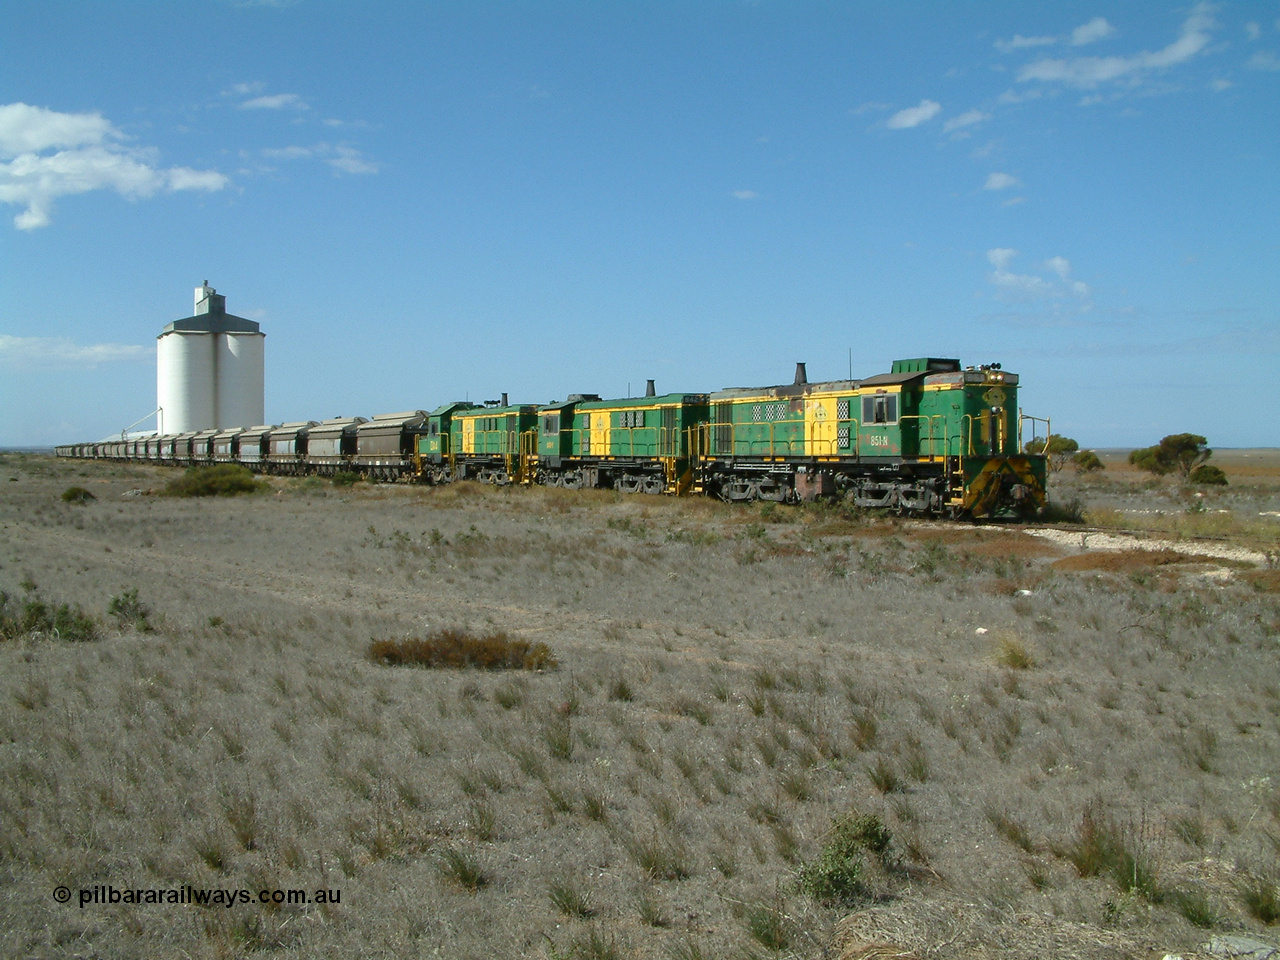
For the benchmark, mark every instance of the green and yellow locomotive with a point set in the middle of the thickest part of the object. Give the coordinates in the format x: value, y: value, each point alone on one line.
x: 926, y: 438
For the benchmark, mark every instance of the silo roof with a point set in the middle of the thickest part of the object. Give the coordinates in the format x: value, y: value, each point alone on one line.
x: 212, y: 323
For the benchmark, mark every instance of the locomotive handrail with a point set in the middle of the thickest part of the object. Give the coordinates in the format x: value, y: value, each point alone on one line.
x: 1048, y: 430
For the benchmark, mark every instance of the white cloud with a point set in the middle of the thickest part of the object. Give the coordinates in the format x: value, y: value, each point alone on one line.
x: 350, y: 160
x: 1263, y: 60
x: 1029, y: 286
x: 1020, y: 42
x: 745, y: 194
x: 1091, y: 71
x: 1000, y: 181
x: 1095, y: 29
x: 275, y: 101
x: 288, y: 153
x: 60, y: 351
x: 341, y: 156
x: 1253, y: 30
x: 914, y: 116
x: 45, y: 154
x: 1220, y: 84
x: 28, y: 129
x: 966, y: 119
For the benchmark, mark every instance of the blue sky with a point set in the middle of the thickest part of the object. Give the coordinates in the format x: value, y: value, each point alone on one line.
x: 423, y: 202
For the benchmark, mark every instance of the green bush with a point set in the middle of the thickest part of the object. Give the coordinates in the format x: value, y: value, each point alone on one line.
x: 1208, y: 474
x: 837, y: 875
x: 219, y: 480
x: 345, y: 478
x: 1057, y: 449
x: 1086, y: 461
x: 1179, y: 452
x: 35, y: 616
x: 130, y: 612
x: 77, y: 495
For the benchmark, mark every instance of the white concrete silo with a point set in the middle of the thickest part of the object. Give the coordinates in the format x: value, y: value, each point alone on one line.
x: 209, y: 369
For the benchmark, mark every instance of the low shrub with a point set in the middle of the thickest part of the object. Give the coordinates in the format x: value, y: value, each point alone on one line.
x: 457, y: 648
x: 837, y: 875
x: 130, y: 612
x: 78, y: 495
x: 1063, y: 511
x: 345, y: 478
x: 219, y: 480
x: 1206, y: 474
x: 35, y: 616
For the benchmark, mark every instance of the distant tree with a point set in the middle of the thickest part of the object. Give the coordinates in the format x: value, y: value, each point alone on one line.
x: 1207, y: 473
x: 1087, y: 461
x: 1177, y: 453
x: 1058, y: 449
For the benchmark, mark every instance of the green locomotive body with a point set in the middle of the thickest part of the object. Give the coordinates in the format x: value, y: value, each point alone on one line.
x: 465, y: 441
x: 927, y: 437
x: 636, y: 445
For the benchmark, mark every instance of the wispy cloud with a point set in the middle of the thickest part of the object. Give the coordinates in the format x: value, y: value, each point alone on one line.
x: 1095, y: 29
x: 63, y: 352
x: 342, y: 157
x: 1020, y: 42
x: 1000, y: 181
x: 45, y: 154
x: 1030, y: 286
x: 1089, y: 72
x: 914, y: 116
x: 746, y: 194
x: 966, y: 119
x: 275, y: 101
x: 1264, y: 60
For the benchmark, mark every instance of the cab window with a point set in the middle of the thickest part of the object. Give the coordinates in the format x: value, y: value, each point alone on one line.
x: 880, y: 408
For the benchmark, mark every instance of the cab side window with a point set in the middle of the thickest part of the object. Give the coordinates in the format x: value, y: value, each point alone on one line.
x: 880, y: 408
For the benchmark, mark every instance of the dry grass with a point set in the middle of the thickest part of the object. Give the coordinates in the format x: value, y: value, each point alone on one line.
x: 663, y: 790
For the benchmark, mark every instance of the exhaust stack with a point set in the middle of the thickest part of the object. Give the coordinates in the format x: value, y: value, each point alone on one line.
x: 801, y: 376
x: 648, y: 389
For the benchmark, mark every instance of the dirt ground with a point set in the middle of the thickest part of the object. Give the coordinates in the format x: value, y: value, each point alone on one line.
x: 1074, y: 751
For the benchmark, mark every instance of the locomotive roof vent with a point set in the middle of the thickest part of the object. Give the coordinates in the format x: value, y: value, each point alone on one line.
x: 801, y: 376
x: 648, y: 389
x: 491, y: 403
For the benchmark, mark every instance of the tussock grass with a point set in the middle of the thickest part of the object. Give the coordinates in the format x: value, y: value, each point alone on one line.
x: 451, y: 648
x: 462, y: 869
x: 1012, y: 651
x: 1106, y: 846
x: 571, y: 899
x: 1259, y: 891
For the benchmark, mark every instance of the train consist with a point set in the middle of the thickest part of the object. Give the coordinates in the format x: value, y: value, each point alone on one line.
x: 927, y: 438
